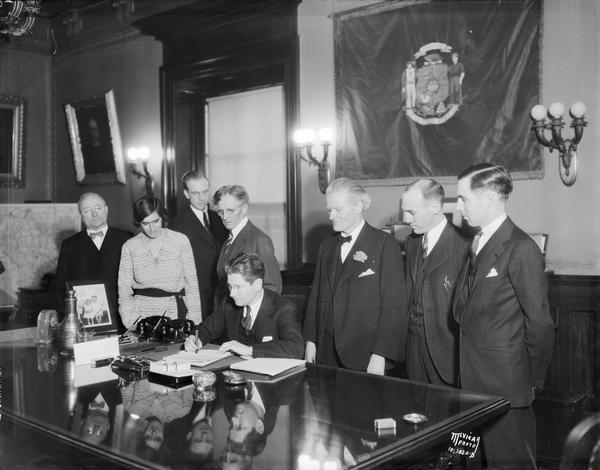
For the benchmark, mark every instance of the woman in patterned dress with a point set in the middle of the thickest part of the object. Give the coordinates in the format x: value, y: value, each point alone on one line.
x: 157, y: 272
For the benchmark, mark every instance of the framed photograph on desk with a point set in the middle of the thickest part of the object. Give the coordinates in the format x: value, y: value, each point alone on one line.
x: 92, y: 306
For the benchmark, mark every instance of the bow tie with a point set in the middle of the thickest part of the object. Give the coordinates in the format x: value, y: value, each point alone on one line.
x: 99, y: 234
x: 343, y: 239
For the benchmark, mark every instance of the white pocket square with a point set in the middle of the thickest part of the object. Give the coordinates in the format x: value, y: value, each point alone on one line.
x: 266, y: 339
x: 368, y: 272
x: 492, y: 273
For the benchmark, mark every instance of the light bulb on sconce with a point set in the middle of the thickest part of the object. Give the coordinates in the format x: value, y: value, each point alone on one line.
x: 304, y: 139
x: 567, y: 148
x: 141, y: 155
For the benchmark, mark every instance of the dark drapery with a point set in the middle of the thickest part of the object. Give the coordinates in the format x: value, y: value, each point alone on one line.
x: 499, y: 46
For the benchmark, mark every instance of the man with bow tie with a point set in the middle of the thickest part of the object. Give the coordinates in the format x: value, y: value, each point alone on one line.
x: 206, y: 232
x: 501, y: 304
x: 356, y: 313
x: 435, y: 253
x: 255, y: 321
x: 95, y: 252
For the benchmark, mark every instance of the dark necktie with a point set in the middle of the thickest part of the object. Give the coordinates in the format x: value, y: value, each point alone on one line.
x: 475, y: 244
x: 247, y: 320
x: 228, y: 242
x: 99, y: 234
x: 424, y: 245
x: 473, y: 257
x: 206, y: 222
x: 343, y: 239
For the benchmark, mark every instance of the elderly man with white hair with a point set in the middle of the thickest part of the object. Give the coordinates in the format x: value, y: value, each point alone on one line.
x: 356, y: 313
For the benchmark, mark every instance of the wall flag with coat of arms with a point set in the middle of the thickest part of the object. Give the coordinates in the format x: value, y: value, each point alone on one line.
x: 428, y: 88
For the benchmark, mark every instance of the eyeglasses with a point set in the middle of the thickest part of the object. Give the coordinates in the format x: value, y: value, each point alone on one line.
x: 222, y: 212
x: 152, y: 223
x: 89, y: 210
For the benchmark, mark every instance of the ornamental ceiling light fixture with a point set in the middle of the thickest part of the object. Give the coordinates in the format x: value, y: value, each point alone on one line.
x: 304, y: 139
x: 17, y: 17
x: 567, y: 148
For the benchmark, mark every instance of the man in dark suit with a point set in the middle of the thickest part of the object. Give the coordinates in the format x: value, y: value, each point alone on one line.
x: 435, y: 253
x: 206, y: 232
x: 95, y: 252
x: 252, y: 414
x: 257, y: 322
x: 244, y: 237
x: 501, y: 305
x: 356, y: 313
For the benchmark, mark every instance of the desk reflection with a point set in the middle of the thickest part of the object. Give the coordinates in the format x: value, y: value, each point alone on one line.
x: 319, y: 418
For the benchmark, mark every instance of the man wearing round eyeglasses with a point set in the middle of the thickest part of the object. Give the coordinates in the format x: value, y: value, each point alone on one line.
x: 244, y: 237
x: 95, y: 252
x: 206, y: 233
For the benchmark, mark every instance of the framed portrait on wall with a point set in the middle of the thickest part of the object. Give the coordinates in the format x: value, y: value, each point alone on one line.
x: 12, y: 141
x: 93, y: 309
x: 96, y: 140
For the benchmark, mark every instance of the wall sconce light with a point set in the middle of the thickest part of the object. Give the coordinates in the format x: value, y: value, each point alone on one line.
x: 567, y: 148
x: 141, y: 155
x: 304, y: 139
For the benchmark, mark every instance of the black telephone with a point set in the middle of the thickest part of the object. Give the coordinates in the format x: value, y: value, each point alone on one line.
x: 161, y: 328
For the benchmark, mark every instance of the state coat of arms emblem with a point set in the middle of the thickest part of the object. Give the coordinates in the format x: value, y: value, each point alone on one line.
x: 432, y: 84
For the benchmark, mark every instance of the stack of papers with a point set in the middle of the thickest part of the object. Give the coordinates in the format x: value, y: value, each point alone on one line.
x: 269, y: 366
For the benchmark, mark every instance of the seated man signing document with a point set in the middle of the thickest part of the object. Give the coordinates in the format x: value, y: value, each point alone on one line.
x: 257, y: 322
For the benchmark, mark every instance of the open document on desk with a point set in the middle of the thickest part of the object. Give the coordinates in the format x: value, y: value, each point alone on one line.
x: 272, y: 367
x: 204, y: 357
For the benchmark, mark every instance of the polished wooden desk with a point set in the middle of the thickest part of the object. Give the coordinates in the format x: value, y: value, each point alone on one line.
x: 320, y: 414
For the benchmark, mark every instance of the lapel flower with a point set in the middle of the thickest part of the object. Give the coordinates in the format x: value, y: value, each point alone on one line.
x: 360, y: 256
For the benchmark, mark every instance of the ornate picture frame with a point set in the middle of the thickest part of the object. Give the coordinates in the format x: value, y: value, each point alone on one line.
x: 96, y: 140
x: 93, y: 308
x: 12, y: 141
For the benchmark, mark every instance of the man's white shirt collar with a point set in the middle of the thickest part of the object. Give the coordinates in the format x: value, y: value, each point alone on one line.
x: 235, y: 231
x: 102, y: 229
x: 256, y: 398
x: 488, y: 230
x: 255, y: 307
x: 98, y: 240
x: 199, y: 213
x: 347, y: 247
x: 434, y: 234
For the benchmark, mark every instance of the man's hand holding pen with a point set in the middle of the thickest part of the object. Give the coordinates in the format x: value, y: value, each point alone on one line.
x: 193, y: 343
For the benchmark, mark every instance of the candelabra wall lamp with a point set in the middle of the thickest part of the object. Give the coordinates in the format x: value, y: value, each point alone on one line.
x: 567, y: 148
x: 141, y: 156
x: 304, y: 139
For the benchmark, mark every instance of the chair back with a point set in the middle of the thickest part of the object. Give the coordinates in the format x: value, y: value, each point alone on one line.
x: 582, y: 447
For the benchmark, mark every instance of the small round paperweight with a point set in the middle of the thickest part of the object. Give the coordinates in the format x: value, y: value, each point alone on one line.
x: 204, y: 379
x: 233, y: 378
x: 204, y: 394
x: 414, y: 418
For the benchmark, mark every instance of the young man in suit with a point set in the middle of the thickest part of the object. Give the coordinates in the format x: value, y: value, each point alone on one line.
x: 256, y: 322
x: 206, y: 232
x: 435, y: 253
x: 356, y: 313
x: 95, y: 252
x: 244, y: 237
x: 501, y: 305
